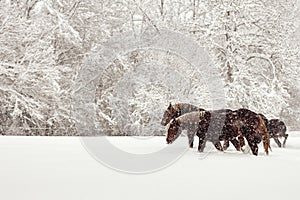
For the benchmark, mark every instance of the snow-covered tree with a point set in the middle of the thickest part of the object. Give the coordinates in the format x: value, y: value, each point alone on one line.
x: 248, y: 41
x: 254, y: 44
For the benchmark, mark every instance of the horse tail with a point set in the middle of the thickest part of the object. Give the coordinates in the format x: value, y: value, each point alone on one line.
x: 265, y: 136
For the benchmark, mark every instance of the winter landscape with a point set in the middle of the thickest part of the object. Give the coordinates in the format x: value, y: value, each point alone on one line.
x: 86, y: 88
x: 60, y: 168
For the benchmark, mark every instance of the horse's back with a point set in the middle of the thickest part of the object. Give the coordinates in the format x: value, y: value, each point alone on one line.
x: 194, y: 116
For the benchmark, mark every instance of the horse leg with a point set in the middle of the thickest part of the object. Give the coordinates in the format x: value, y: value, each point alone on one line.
x: 277, y: 141
x: 251, y: 142
x: 191, y: 142
x: 236, y: 144
x: 191, y: 139
x: 253, y: 147
x: 285, y: 138
x: 201, y: 144
x: 218, y: 145
x: 226, y: 144
x: 241, y: 141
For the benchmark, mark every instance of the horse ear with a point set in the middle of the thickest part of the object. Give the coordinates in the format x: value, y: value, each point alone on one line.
x: 170, y: 106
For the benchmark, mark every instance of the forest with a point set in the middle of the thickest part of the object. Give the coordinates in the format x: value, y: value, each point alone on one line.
x: 45, y: 45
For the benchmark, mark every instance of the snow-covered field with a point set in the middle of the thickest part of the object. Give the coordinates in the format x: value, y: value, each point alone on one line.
x: 59, y: 168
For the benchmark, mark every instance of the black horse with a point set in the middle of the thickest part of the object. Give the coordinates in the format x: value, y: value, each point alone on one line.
x: 276, y: 129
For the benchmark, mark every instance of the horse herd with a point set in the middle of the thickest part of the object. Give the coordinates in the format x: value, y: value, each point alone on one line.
x: 229, y: 126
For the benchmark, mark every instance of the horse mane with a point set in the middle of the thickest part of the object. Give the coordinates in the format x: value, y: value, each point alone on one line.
x: 183, y: 108
x: 176, y: 107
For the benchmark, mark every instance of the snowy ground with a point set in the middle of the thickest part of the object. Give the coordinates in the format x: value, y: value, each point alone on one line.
x: 59, y: 168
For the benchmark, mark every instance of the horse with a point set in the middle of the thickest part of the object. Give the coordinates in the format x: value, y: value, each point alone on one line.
x: 254, y: 129
x: 231, y: 131
x: 222, y: 125
x: 179, y: 109
x: 276, y: 129
x: 176, y: 110
x: 216, y: 126
x: 195, y: 123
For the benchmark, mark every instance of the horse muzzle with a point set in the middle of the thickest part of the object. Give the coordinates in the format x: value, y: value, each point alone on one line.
x: 168, y: 141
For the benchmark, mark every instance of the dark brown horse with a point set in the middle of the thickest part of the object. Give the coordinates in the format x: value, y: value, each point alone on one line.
x: 231, y: 131
x: 254, y: 129
x: 176, y: 110
x: 195, y: 123
x: 220, y: 126
x: 208, y: 126
x: 223, y: 125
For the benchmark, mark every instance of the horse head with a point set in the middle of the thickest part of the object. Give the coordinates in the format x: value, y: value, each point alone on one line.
x: 173, y: 131
x: 168, y: 115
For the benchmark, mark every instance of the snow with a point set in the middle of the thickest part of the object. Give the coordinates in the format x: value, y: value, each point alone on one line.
x: 60, y: 168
